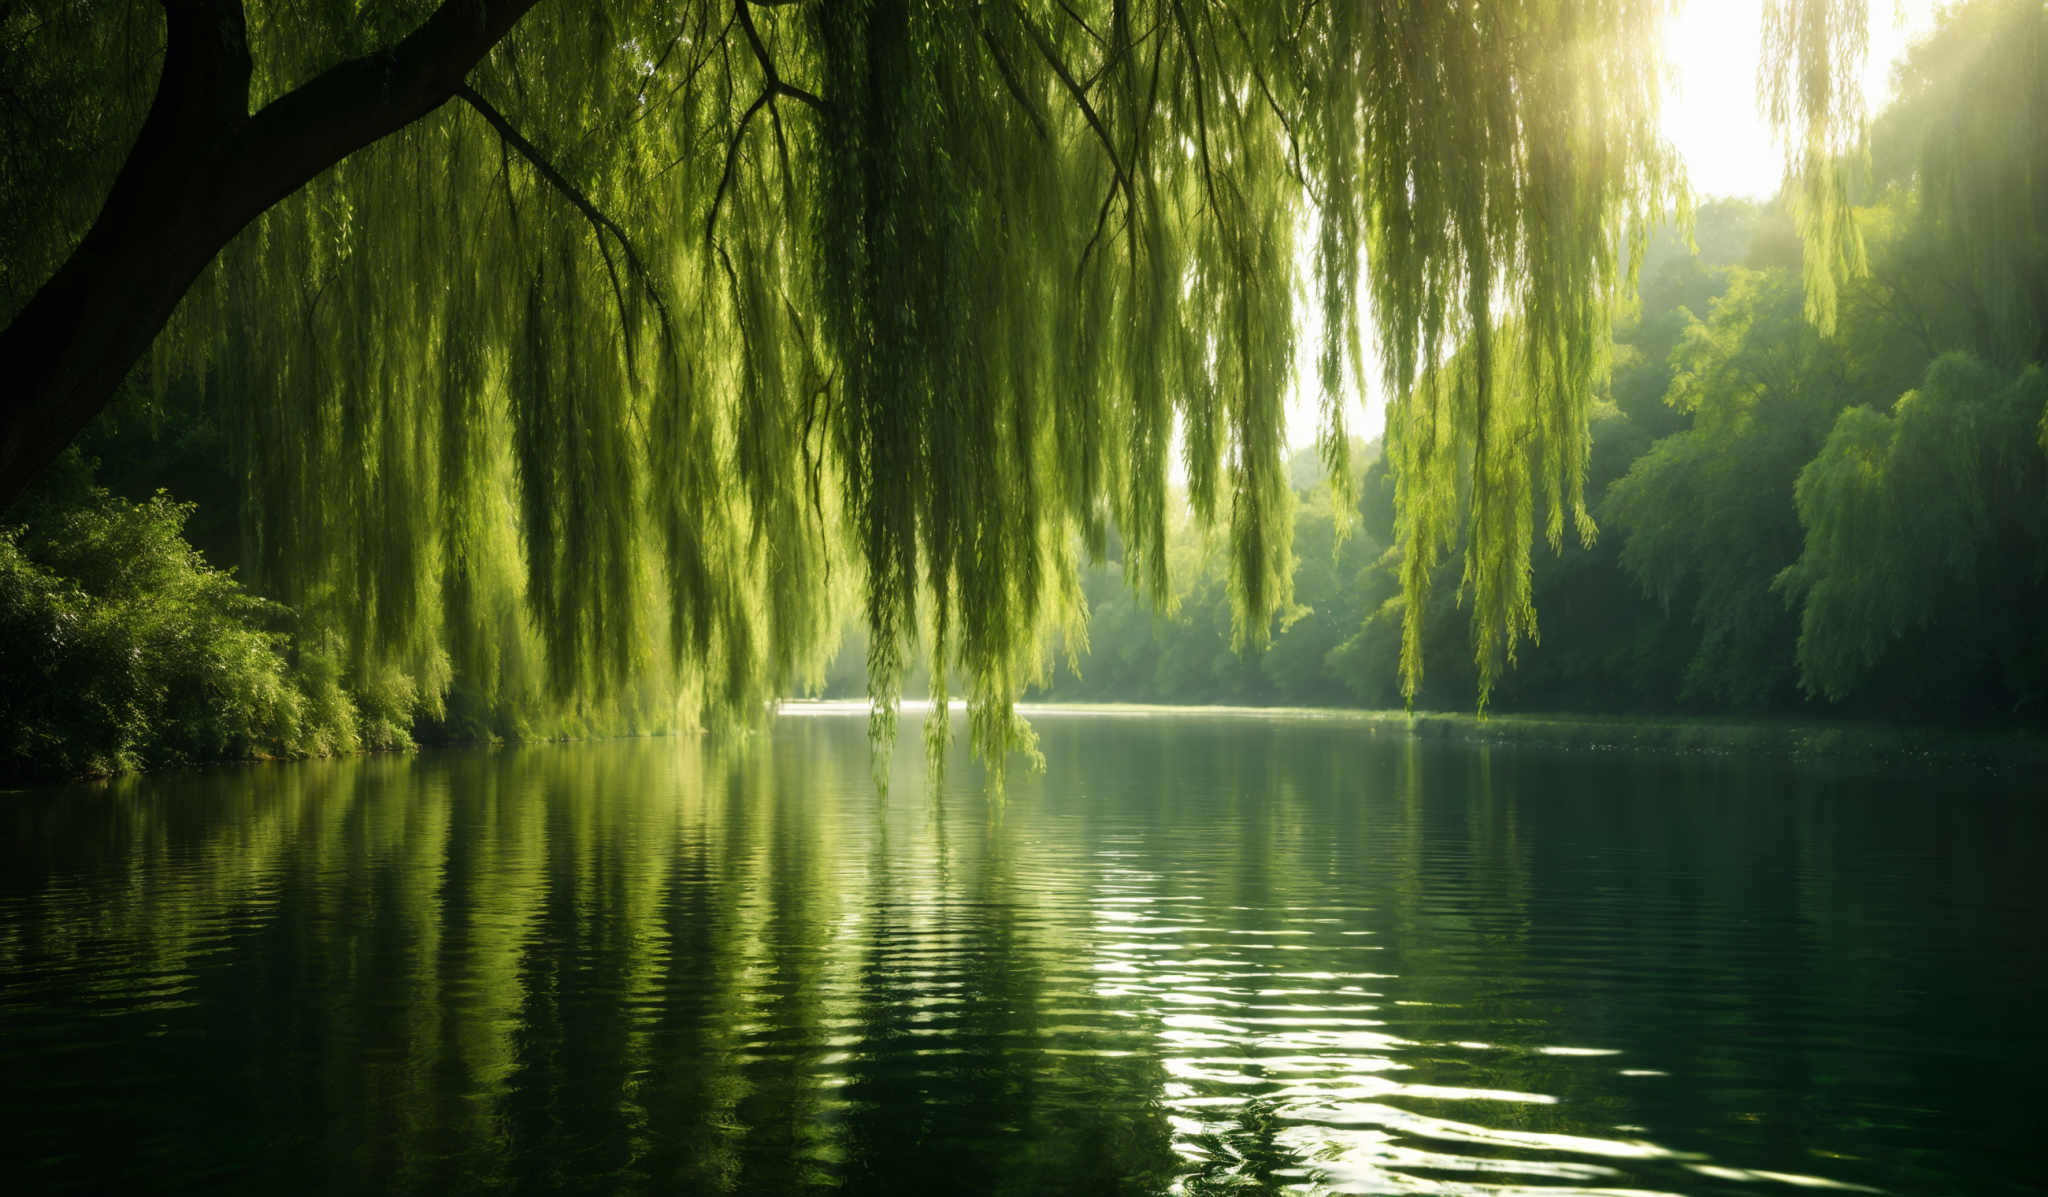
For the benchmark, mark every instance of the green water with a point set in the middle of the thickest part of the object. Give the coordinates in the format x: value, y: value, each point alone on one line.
x: 1198, y: 954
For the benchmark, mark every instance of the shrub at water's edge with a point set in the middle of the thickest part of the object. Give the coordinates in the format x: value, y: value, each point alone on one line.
x: 123, y: 649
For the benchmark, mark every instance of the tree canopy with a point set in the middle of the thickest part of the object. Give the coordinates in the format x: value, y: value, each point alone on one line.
x: 663, y: 326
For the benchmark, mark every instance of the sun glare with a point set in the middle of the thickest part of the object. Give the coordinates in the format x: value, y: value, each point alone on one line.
x: 1712, y: 113
x: 1712, y: 116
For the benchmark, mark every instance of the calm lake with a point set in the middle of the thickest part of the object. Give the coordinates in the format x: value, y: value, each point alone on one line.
x: 1198, y: 954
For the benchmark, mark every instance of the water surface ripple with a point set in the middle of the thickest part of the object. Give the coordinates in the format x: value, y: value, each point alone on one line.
x: 1199, y: 954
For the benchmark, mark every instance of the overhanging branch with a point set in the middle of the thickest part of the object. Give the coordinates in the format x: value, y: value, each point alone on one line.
x: 773, y: 85
x: 1201, y: 104
x: 600, y: 224
x: 1051, y: 55
x: 732, y: 153
x: 200, y: 170
x: 1014, y: 85
x: 777, y: 85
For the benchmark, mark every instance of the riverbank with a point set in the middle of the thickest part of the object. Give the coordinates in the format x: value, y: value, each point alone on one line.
x: 1873, y: 746
x: 1860, y: 746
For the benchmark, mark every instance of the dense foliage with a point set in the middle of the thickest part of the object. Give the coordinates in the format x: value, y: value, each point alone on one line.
x: 122, y: 648
x: 604, y: 394
x: 1926, y: 555
x: 1792, y: 520
x: 680, y: 324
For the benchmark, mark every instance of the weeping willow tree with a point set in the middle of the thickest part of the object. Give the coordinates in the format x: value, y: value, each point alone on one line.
x: 653, y: 328
x: 1970, y: 127
x: 1949, y: 485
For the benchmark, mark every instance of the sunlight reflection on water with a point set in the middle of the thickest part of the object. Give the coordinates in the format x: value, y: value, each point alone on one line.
x: 1198, y: 955
x: 1306, y: 1072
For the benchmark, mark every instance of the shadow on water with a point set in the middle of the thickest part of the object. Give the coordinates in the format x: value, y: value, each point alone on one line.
x: 1197, y: 955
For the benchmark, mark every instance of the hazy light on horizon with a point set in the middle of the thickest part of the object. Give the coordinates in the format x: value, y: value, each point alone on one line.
x: 1712, y: 116
x: 1712, y: 113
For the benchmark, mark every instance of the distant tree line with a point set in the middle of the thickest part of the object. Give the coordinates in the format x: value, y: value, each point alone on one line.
x: 1789, y: 522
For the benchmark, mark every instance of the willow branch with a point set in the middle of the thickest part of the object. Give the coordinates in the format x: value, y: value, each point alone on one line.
x: 1052, y: 57
x: 777, y: 85
x: 1201, y: 104
x: 1083, y: 23
x: 199, y: 170
x: 732, y: 153
x: 600, y: 223
x: 1123, y: 50
x: 1259, y: 77
x: 1015, y: 86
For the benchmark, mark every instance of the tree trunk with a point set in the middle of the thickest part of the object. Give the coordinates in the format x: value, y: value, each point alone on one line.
x: 201, y: 169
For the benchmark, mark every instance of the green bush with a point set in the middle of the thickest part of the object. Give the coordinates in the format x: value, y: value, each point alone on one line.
x: 123, y: 649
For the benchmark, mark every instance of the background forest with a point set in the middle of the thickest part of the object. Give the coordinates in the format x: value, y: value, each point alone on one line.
x: 1789, y: 520
x: 1789, y: 523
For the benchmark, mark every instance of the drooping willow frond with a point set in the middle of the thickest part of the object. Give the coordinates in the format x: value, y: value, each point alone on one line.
x: 1813, y: 50
x: 694, y: 317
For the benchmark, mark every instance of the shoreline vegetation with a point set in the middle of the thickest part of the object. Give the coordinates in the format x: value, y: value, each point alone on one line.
x: 1870, y: 744
x: 1865, y: 746
x: 270, y: 545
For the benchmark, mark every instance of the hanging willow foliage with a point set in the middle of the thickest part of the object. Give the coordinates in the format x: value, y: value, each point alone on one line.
x: 685, y: 319
x: 1982, y: 166
x: 1812, y: 52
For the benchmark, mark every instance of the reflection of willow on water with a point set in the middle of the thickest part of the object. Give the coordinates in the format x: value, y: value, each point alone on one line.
x: 1240, y: 1027
x: 395, y: 953
x: 1187, y: 957
x: 952, y: 1082
x: 213, y: 850
x: 1189, y: 941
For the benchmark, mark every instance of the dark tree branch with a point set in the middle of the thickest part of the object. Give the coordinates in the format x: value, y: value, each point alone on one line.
x: 1014, y: 86
x: 712, y: 47
x: 813, y: 462
x: 774, y: 85
x: 600, y: 224
x: 1122, y: 50
x: 676, y: 39
x: 732, y: 153
x: 354, y: 103
x: 200, y: 170
x: 1101, y: 221
x: 784, y: 87
x: 1051, y: 55
x: 1083, y: 23
x: 746, y: 20
x: 789, y: 202
x: 1201, y: 104
x: 777, y: 85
